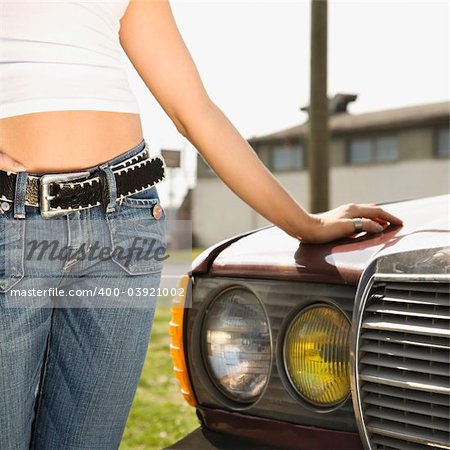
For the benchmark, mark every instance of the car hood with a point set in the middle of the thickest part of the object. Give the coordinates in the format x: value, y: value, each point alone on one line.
x: 271, y: 253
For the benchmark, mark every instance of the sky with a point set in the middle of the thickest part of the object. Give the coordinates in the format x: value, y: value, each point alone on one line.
x: 253, y: 58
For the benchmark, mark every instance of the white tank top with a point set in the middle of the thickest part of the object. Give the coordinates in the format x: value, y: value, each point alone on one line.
x: 62, y: 55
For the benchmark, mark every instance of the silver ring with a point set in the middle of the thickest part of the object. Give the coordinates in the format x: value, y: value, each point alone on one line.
x: 358, y: 224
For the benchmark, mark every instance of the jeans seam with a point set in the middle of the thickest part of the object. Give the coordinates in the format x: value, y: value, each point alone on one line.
x: 20, y: 261
x: 40, y: 394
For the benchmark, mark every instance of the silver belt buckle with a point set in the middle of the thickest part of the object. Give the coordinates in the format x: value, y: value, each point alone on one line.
x: 45, y: 197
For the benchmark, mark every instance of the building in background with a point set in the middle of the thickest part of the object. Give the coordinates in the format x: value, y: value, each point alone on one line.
x: 377, y: 157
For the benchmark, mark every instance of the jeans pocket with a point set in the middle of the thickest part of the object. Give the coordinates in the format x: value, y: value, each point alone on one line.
x: 12, y: 249
x: 138, y: 233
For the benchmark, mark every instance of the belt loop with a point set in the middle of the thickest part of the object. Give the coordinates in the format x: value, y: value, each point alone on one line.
x: 19, y: 195
x: 112, y: 187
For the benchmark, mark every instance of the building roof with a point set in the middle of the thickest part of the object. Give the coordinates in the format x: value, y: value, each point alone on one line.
x: 346, y: 123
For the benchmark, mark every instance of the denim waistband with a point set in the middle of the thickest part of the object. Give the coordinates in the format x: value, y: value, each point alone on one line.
x: 106, y: 167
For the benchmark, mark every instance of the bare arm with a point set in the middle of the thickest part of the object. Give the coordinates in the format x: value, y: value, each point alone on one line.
x: 151, y: 40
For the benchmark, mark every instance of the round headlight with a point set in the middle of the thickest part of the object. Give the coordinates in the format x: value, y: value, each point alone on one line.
x: 316, y: 354
x: 238, y: 345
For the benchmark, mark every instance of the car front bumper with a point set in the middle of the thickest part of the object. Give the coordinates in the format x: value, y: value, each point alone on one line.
x: 235, y: 431
x: 203, y: 439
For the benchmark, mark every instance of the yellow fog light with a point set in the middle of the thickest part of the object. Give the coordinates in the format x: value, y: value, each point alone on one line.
x: 316, y: 355
x: 177, y: 350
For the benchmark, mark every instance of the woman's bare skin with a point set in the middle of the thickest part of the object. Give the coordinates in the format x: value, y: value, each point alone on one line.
x: 61, y: 141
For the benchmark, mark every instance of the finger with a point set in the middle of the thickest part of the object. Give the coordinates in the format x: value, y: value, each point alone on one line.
x: 371, y: 226
x: 368, y: 225
x: 382, y: 222
x: 373, y: 212
x: 9, y: 164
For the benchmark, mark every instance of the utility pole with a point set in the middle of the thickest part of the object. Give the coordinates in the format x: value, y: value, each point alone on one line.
x: 318, y: 139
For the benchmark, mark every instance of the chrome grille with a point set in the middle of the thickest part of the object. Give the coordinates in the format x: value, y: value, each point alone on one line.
x: 403, y: 365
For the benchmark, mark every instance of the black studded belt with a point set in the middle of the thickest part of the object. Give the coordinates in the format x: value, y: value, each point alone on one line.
x: 62, y: 193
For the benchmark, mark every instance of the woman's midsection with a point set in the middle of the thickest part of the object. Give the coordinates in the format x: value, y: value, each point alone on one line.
x: 61, y: 141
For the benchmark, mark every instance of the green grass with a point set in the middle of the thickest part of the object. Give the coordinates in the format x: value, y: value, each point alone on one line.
x: 159, y: 415
x: 196, y: 251
x: 185, y: 254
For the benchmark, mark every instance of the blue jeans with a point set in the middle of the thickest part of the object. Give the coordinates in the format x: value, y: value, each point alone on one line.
x: 74, y: 330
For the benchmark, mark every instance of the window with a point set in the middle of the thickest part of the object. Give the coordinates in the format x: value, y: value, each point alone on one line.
x: 386, y: 149
x: 376, y: 149
x: 287, y: 157
x: 361, y: 151
x: 442, y: 142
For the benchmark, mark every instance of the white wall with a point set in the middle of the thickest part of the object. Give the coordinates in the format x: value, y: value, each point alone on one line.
x: 217, y: 213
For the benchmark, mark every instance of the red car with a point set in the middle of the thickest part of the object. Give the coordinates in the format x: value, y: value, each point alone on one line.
x: 336, y: 346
